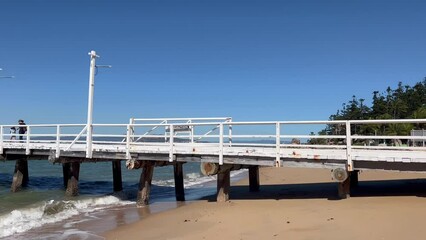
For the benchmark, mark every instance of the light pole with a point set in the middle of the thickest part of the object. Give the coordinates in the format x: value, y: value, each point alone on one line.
x: 89, y: 126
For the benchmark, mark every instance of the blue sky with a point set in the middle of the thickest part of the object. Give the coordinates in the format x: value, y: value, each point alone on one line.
x: 251, y: 60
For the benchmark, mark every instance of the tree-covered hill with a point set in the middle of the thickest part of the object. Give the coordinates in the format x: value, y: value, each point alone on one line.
x: 403, y: 102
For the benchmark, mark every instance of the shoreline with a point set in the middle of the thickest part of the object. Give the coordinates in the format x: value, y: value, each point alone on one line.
x: 297, y: 204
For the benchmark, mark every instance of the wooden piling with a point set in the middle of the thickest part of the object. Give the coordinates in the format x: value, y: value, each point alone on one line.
x: 223, y: 185
x: 72, y: 179
x: 254, y: 181
x: 145, y: 184
x: 66, y: 168
x: 116, y: 176
x: 20, y: 176
x: 179, y: 184
x: 344, y: 188
x: 354, y: 178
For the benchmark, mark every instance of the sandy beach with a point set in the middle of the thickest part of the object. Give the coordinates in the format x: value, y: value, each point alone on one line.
x: 296, y: 204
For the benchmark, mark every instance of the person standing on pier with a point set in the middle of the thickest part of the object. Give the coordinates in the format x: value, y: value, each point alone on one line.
x: 22, y: 130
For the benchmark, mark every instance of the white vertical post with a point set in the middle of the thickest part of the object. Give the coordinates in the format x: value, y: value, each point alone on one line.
x: 58, y: 139
x: 277, y: 144
x: 221, y: 144
x: 90, y: 104
x: 349, y: 146
x: 165, y: 131
x: 27, y: 150
x: 192, y: 131
x: 128, y: 140
x: 1, y: 139
x: 130, y: 137
x: 172, y: 133
x: 132, y: 129
x: 228, y: 120
x: 230, y: 135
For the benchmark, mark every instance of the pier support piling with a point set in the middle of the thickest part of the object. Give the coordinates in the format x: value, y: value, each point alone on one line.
x: 20, y: 176
x: 254, y: 181
x: 145, y: 184
x: 65, y: 170
x: 71, y: 174
x: 179, y: 184
x: 223, y: 185
x: 116, y: 176
x: 343, y: 177
x: 354, y: 178
x: 344, y: 188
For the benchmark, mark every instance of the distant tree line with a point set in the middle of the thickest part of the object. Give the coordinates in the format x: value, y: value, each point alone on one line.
x: 403, y: 102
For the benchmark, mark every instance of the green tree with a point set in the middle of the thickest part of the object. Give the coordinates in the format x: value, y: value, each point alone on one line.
x: 400, y: 103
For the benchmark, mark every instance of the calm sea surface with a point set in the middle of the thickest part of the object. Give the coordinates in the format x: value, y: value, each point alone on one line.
x: 41, y: 210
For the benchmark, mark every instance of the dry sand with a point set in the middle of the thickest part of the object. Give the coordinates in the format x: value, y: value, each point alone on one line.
x: 297, y: 204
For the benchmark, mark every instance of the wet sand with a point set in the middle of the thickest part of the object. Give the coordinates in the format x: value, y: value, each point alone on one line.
x: 297, y: 204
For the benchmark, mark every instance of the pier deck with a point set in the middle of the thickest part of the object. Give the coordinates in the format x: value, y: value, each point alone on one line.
x: 220, y: 144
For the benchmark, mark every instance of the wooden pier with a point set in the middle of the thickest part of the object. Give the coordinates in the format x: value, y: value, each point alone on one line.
x: 217, y: 144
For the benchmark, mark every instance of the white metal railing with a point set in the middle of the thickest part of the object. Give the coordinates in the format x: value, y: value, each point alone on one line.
x: 217, y: 133
x: 181, y: 125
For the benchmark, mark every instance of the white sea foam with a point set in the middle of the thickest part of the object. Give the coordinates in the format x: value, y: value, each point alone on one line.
x: 193, y: 180
x: 77, y: 234
x: 196, y: 179
x: 164, y: 183
x: 22, y: 220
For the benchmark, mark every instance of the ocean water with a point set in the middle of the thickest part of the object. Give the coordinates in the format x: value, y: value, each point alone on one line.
x: 42, y: 211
